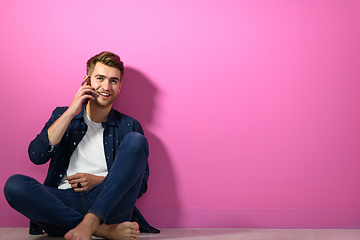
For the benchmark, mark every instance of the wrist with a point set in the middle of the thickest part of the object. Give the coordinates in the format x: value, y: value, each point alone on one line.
x: 70, y: 113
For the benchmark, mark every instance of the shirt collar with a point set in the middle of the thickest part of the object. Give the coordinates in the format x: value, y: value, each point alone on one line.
x: 110, y: 119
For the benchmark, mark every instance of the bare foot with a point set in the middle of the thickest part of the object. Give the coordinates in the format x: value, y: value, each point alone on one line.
x: 122, y: 231
x: 85, y: 229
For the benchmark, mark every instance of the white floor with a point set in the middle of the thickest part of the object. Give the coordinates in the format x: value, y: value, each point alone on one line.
x: 216, y: 233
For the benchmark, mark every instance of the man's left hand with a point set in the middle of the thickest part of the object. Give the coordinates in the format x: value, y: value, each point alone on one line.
x: 86, y: 180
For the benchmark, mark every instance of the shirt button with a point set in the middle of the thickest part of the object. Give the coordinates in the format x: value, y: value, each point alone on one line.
x: 74, y: 143
x: 60, y: 175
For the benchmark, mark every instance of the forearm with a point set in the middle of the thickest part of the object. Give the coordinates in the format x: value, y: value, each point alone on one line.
x: 58, y: 128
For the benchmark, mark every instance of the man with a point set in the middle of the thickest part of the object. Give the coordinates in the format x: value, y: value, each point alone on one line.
x: 98, y: 164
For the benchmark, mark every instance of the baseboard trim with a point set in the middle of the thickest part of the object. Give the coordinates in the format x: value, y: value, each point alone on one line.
x: 293, y: 218
x: 288, y: 218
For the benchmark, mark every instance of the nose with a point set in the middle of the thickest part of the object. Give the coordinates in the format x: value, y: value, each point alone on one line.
x: 106, y: 84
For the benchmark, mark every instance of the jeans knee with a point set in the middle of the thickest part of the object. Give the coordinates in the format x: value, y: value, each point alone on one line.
x: 14, y: 187
x: 10, y: 186
x: 136, y: 140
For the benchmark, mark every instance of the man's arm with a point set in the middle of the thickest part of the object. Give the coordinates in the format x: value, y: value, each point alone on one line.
x: 40, y: 149
x: 58, y: 128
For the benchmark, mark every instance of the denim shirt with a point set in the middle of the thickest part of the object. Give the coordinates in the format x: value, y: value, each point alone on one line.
x: 116, y: 126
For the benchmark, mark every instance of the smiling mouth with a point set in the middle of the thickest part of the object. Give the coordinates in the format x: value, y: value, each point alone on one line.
x: 104, y: 94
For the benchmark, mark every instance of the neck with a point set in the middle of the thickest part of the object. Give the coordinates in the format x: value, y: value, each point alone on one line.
x: 97, y: 114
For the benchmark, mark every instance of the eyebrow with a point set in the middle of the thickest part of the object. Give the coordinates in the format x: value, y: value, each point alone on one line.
x: 103, y: 76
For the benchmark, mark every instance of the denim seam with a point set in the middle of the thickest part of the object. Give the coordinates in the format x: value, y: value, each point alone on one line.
x: 83, y: 202
x: 122, y: 214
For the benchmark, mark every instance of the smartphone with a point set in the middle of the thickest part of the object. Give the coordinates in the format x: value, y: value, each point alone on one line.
x: 86, y: 82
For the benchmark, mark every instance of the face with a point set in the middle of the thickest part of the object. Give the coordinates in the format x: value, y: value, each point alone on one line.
x: 106, y: 81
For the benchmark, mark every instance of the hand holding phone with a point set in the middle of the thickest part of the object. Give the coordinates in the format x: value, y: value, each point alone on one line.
x: 86, y: 82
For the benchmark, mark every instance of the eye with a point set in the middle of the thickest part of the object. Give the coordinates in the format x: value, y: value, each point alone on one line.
x: 99, y: 78
x: 114, y: 81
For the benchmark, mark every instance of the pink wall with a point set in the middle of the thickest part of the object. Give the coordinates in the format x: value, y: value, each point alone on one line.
x: 251, y: 108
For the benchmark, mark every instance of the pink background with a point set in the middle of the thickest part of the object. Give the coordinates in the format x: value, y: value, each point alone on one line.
x: 251, y: 108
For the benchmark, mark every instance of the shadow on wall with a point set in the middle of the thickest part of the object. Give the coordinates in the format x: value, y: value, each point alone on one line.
x: 138, y: 99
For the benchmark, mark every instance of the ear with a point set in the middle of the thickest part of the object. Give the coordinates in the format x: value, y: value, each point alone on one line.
x: 120, y: 87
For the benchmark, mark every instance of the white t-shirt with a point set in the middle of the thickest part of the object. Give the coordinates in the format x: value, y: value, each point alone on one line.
x: 89, y: 156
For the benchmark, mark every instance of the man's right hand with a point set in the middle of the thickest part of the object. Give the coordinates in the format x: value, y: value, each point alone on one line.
x: 85, y: 92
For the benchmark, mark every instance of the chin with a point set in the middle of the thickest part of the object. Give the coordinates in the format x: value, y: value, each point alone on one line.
x: 103, y: 104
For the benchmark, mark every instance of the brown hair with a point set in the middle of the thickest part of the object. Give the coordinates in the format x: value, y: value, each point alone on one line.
x: 109, y: 59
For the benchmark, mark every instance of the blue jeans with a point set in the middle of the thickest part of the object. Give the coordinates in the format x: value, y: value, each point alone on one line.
x: 57, y: 211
